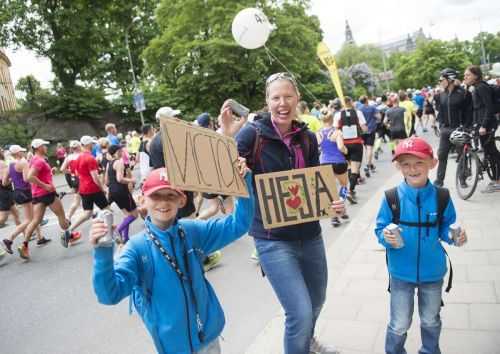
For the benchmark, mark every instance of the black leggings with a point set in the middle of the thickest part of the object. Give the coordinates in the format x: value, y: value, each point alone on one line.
x: 490, y: 148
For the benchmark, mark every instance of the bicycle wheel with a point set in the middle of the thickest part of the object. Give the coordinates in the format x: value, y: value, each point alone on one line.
x: 467, y: 175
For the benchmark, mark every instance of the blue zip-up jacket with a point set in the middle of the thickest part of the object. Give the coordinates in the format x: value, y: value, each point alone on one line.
x: 275, y: 156
x: 167, y: 305
x: 422, y: 259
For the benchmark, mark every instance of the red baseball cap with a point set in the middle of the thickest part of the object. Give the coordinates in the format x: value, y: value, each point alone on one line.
x: 158, y: 180
x: 414, y: 146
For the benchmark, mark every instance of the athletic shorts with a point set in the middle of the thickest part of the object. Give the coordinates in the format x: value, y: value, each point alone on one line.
x: 6, y: 199
x: 123, y: 200
x: 420, y: 111
x: 99, y: 199
x: 398, y: 134
x: 213, y: 196
x: 354, y: 152
x: 338, y: 168
x: 46, y: 199
x: 72, y: 181
x: 22, y: 196
x: 369, y: 139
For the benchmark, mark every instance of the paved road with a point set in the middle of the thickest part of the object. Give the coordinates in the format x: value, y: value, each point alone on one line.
x: 48, y: 305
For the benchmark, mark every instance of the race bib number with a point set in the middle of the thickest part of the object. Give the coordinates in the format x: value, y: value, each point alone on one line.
x: 350, y: 131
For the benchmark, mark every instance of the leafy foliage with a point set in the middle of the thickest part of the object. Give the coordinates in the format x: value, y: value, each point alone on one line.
x: 10, y: 132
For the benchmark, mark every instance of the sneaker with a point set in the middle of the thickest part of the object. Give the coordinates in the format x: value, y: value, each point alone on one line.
x: 75, y: 236
x: 7, y: 245
x: 375, y: 155
x: 44, y: 222
x: 255, y: 255
x: 491, y: 188
x: 24, y: 251
x: 367, y: 172
x: 335, y: 222
x: 43, y: 241
x: 212, y: 260
x: 318, y: 348
x: 361, y: 180
x: 65, y: 237
x: 372, y: 168
x: 345, y: 217
x: 352, y: 198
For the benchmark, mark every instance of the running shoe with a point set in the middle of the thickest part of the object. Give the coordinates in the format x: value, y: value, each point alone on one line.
x: 352, y: 198
x: 212, y: 260
x: 75, y: 236
x: 7, y: 245
x: 335, y: 222
x: 65, y: 237
x: 372, y: 168
x: 361, y: 180
x: 24, y: 252
x: 367, y: 172
x: 319, y: 348
x: 44, y: 222
x: 43, y: 241
x: 345, y: 217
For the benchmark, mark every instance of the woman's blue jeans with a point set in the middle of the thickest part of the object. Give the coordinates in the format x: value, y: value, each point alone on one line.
x: 402, y: 303
x: 298, y: 274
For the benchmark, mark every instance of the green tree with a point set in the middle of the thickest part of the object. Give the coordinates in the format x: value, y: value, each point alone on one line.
x: 491, y: 42
x: 83, y: 39
x: 34, y: 94
x: 351, y: 54
x: 196, y: 60
x: 422, y: 66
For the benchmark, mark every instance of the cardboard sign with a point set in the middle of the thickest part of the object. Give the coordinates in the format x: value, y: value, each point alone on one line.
x: 296, y: 196
x: 199, y: 159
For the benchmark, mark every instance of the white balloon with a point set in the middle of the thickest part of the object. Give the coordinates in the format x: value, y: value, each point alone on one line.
x: 251, y: 28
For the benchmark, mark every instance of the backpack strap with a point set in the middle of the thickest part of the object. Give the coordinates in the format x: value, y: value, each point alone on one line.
x: 257, y: 149
x: 392, y: 197
x: 443, y: 198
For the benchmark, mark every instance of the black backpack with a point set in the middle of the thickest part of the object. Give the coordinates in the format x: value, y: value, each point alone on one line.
x: 496, y: 98
x: 443, y: 198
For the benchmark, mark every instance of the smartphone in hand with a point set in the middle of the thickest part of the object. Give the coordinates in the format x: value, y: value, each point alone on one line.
x: 238, y: 108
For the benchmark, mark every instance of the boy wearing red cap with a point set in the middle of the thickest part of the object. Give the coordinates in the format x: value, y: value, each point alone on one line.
x: 162, y: 268
x: 417, y: 259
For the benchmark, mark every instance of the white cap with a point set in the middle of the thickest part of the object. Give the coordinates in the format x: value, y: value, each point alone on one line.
x: 36, y: 143
x: 14, y: 149
x: 87, y: 140
x: 74, y: 144
x: 167, y: 112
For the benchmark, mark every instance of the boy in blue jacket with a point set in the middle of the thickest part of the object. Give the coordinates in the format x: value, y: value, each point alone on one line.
x: 162, y: 268
x: 421, y: 262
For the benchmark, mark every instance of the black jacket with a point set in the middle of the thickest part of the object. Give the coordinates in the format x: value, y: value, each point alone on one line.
x: 454, y: 108
x: 482, y: 98
x: 275, y: 156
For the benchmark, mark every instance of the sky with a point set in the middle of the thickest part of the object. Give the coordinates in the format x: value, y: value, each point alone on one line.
x: 370, y: 21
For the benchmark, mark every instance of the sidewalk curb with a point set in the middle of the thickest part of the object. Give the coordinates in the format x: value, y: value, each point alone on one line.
x: 269, y: 340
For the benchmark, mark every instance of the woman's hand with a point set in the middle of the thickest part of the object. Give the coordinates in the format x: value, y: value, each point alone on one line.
x: 338, y: 207
x: 242, y: 167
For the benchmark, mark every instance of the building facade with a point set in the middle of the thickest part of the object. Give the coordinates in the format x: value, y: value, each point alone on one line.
x: 7, y: 95
x: 403, y: 44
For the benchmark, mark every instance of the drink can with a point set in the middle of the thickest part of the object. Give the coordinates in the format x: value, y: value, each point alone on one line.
x: 396, y: 230
x: 455, y: 231
x: 107, y: 217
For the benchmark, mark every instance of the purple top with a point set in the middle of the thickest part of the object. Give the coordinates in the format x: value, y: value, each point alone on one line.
x: 17, y: 178
x: 296, y: 149
x: 330, y: 152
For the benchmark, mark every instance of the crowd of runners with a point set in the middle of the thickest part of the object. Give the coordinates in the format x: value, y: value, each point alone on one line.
x: 351, y: 137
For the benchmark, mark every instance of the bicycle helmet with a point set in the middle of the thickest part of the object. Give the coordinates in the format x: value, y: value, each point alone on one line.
x: 449, y: 74
x: 459, y: 137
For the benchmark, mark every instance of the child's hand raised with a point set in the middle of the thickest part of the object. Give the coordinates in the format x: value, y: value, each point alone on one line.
x: 462, y: 239
x: 391, y: 238
x: 97, y: 230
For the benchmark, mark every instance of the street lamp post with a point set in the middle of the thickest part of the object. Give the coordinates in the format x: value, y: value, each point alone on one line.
x: 132, y: 64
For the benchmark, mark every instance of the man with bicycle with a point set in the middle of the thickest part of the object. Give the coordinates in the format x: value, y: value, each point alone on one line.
x: 454, y: 105
x: 484, y: 118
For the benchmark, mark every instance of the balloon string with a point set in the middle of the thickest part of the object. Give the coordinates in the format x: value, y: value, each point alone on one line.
x: 269, y: 53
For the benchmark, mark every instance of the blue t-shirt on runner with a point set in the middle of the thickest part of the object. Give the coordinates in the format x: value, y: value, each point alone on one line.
x: 419, y: 101
x: 370, y: 116
x: 113, y: 139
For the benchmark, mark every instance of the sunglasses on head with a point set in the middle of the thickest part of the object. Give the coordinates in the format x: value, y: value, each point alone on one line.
x: 281, y: 76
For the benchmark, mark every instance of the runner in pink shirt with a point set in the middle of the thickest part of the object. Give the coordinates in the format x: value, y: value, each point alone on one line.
x: 44, y: 194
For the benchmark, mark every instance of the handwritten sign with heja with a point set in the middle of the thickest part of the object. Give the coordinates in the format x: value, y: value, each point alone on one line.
x: 201, y: 160
x: 296, y: 196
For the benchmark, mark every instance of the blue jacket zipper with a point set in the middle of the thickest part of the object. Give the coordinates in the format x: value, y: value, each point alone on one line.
x: 419, y: 234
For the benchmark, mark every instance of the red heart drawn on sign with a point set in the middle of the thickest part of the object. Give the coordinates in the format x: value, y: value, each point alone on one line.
x: 294, y: 190
x: 294, y: 203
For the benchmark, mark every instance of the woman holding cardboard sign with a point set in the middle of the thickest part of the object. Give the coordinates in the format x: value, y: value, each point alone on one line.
x: 292, y: 257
